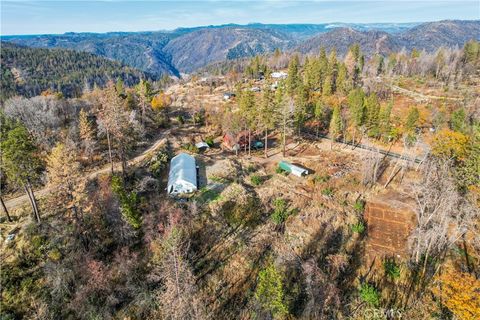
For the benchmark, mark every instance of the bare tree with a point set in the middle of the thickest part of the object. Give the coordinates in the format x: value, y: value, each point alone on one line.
x: 443, y: 215
x: 179, y: 298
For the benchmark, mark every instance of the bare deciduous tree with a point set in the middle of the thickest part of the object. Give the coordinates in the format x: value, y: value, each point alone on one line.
x: 179, y: 298
x: 443, y: 215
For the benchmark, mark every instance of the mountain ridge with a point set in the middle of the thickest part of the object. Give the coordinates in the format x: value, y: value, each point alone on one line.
x: 187, y: 49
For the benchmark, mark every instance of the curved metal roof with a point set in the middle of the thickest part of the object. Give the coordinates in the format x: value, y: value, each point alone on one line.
x: 183, y: 173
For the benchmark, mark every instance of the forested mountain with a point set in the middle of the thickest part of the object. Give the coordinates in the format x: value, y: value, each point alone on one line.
x: 29, y: 71
x: 201, y: 47
x: 341, y: 38
x: 139, y: 50
x: 187, y: 49
x: 428, y: 36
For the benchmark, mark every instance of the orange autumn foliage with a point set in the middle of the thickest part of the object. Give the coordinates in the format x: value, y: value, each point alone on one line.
x: 161, y: 101
x: 459, y: 292
x: 450, y: 144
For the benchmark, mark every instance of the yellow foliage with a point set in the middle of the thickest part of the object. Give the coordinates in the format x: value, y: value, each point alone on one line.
x: 450, y: 144
x: 459, y: 292
x: 161, y: 101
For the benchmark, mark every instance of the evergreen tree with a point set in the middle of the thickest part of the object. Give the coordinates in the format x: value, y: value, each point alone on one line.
x: 87, y: 133
x: 411, y: 124
x: 342, y: 79
x: 267, y: 114
x: 336, y: 124
x: 356, y: 105
x: 144, y: 96
x: 372, y: 107
x: 319, y: 114
x: 293, y: 79
x: 458, y: 121
x: 65, y: 175
x: 323, y: 66
x: 19, y: 159
x: 385, y: 125
x: 301, y: 106
x: 248, y: 112
x: 327, y: 86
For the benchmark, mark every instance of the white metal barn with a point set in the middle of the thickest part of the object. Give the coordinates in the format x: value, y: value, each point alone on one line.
x: 182, y: 177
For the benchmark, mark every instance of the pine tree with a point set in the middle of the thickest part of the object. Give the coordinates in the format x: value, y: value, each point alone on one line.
x: 87, y: 133
x: 411, y: 124
x: 293, y: 79
x: 385, y: 125
x: 65, y: 175
x: 119, y: 127
x: 327, y: 86
x: 356, y: 105
x: 248, y: 111
x: 267, y: 114
x: 342, y: 79
x: 143, y: 90
x: 319, y: 113
x: 372, y: 107
x: 336, y: 124
x: 332, y: 68
x: 301, y: 105
x: 458, y: 121
x: 19, y: 159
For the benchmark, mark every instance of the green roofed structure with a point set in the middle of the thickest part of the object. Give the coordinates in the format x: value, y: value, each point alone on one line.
x: 293, y: 169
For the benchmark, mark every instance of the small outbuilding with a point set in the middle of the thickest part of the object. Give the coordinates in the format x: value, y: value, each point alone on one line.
x: 279, y: 75
x: 293, y: 169
x: 182, y: 177
x: 228, y: 95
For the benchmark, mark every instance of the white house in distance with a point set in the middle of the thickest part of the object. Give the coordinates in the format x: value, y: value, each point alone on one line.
x: 279, y: 75
x: 182, y: 177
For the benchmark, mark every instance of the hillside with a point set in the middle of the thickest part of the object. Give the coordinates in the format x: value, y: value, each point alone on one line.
x: 199, y: 48
x: 139, y: 50
x: 341, y: 38
x: 429, y: 36
x: 432, y: 35
x: 29, y: 71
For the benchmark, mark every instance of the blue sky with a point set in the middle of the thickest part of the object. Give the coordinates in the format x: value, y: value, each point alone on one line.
x: 37, y: 17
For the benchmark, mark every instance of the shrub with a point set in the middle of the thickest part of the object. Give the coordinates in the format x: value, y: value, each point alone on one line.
x: 327, y: 191
x: 281, y: 212
x: 279, y: 170
x: 128, y: 203
x: 190, y: 147
x: 159, y: 162
x: 358, y: 227
x: 209, y: 141
x: 256, y: 180
x: 359, y: 206
x: 270, y: 293
x: 321, y: 179
x: 369, y: 295
x: 180, y: 119
x: 392, y: 269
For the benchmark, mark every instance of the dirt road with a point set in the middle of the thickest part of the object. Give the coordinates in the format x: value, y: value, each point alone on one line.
x: 19, y: 201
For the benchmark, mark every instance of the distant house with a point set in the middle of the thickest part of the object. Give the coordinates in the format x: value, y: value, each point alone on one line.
x: 279, y: 75
x: 182, y: 177
x: 228, y: 95
x: 202, y: 145
x: 241, y: 141
x: 230, y: 142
